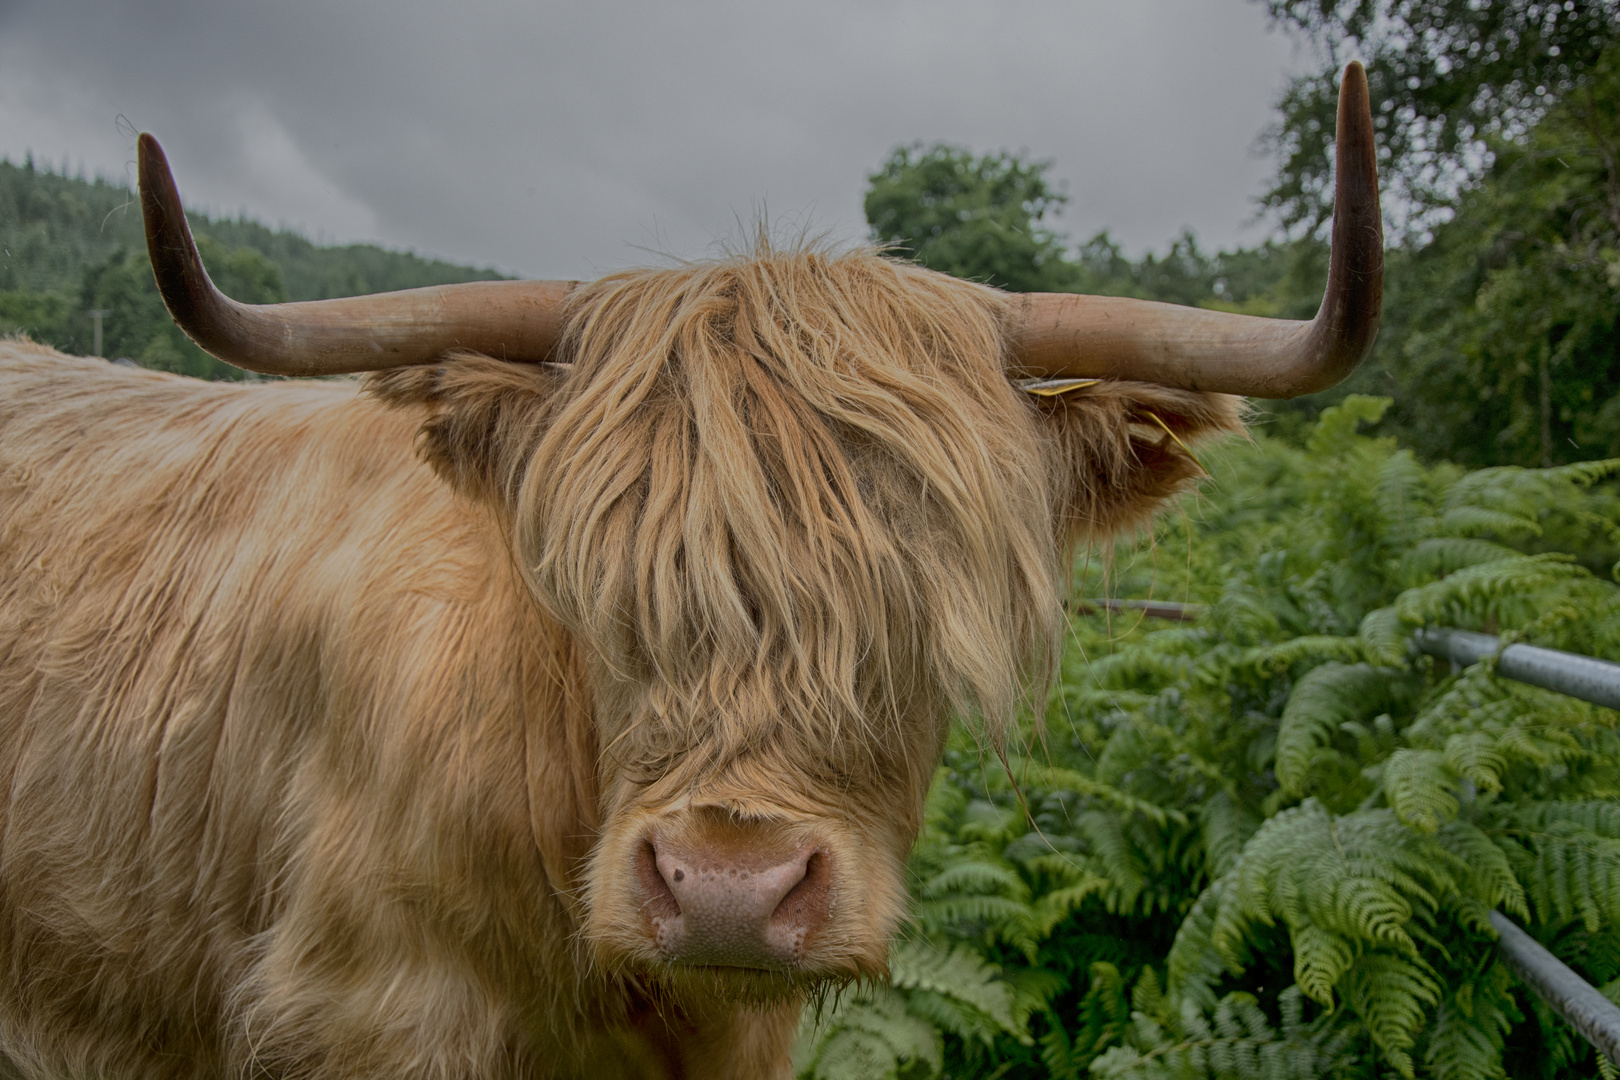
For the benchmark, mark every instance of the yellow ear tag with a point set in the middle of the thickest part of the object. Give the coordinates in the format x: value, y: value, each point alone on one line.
x: 1053, y: 387
x: 1184, y: 447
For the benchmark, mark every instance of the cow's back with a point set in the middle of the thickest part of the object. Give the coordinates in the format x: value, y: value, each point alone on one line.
x: 269, y: 696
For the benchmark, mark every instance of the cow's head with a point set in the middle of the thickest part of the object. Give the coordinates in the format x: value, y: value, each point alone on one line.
x: 796, y: 510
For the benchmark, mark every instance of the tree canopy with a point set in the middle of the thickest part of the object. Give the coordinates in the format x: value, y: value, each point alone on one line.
x: 1452, y: 79
x: 982, y: 218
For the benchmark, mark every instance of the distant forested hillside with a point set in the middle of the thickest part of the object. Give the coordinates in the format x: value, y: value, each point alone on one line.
x: 69, y: 246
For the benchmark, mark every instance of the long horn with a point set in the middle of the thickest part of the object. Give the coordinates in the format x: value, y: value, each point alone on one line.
x: 513, y: 320
x: 1067, y: 335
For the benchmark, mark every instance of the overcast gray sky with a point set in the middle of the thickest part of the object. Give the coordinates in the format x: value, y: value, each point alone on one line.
x: 556, y: 139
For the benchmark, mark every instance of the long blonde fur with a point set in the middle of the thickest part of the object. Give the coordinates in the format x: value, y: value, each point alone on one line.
x: 321, y: 761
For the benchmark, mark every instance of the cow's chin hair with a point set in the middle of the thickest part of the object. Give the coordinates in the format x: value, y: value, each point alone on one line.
x: 690, y: 984
x: 869, y: 884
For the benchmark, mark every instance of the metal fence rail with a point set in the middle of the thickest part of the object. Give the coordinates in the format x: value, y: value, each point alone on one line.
x: 1571, y: 674
x: 1589, y: 679
x: 1156, y: 609
x: 1571, y: 996
x: 1597, y: 681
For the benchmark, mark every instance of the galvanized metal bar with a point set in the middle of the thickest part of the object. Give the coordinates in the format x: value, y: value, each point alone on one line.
x: 1584, y: 677
x: 1589, y: 679
x: 1571, y: 996
x: 1157, y: 609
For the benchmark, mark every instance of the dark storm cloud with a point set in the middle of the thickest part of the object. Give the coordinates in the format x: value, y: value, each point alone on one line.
x: 562, y: 139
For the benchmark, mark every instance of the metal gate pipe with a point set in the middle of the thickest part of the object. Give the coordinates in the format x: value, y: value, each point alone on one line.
x: 1575, y: 999
x: 1584, y: 677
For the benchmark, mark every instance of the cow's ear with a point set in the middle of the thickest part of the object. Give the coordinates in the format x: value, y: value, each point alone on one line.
x: 1121, y: 448
x: 484, y: 417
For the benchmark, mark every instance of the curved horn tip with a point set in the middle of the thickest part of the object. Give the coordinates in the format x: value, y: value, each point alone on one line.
x: 1355, y: 103
x: 149, y: 157
x: 325, y: 337
x: 1058, y: 335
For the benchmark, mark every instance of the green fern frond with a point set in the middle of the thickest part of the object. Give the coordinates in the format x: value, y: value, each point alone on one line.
x: 1471, y: 1027
x: 1401, y: 494
x: 1249, y: 895
x: 1364, y: 907
x: 1321, y: 957
x: 953, y: 1016
x: 1473, y: 701
x: 1522, y: 492
x: 1391, y: 995
x: 1442, y: 555
x: 1239, y: 1045
x: 868, y: 1037
x: 1599, y: 817
x: 984, y: 821
x: 1539, y: 745
x: 1117, y: 857
x: 1139, y: 667
x: 1225, y: 827
x: 1475, y: 520
x: 1104, y: 1012
x: 1362, y: 876
x: 1012, y: 920
x: 961, y: 976
x: 1418, y: 785
x: 1335, y: 431
x: 1170, y: 791
x: 1195, y: 964
x: 1034, y: 774
x: 1326, y: 698
x: 1468, y: 594
x: 1489, y: 874
x: 1148, y: 997
x: 1053, y: 907
x: 1475, y: 755
x: 975, y: 878
x: 1383, y: 638
x: 1568, y: 857
x: 1375, y: 845
x: 1319, y: 648
x: 1582, y: 473
x: 944, y: 802
x: 1057, y: 1053
x: 1240, y: 615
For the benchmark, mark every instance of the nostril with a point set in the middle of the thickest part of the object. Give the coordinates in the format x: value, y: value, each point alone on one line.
x: 657, y: 900
x: 807, y: 905
x: 679, y: 874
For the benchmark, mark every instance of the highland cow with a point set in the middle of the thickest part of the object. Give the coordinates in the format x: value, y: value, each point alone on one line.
x: 559, y: 700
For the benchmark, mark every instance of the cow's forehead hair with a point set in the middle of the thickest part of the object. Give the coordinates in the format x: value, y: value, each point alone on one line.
x: 794, y: 488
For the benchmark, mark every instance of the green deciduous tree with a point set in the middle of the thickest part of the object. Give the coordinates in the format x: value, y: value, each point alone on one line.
x: 986, y: 218
x: 1504, y: 333
x: 982, y: 218
x: 1499, y: 142
x: 1449, y: 78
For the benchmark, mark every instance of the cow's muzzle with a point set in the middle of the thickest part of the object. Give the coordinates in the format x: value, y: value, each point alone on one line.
x: 734, y: 895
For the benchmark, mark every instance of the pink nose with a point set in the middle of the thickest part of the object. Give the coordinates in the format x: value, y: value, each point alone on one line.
x: 732, y: 907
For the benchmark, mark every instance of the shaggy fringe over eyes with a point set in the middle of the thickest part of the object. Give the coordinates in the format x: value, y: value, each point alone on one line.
x: 795, y: 495
x: 794, y: 490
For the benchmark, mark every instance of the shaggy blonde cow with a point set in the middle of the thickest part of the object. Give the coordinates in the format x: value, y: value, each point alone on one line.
x: 559, y: 701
